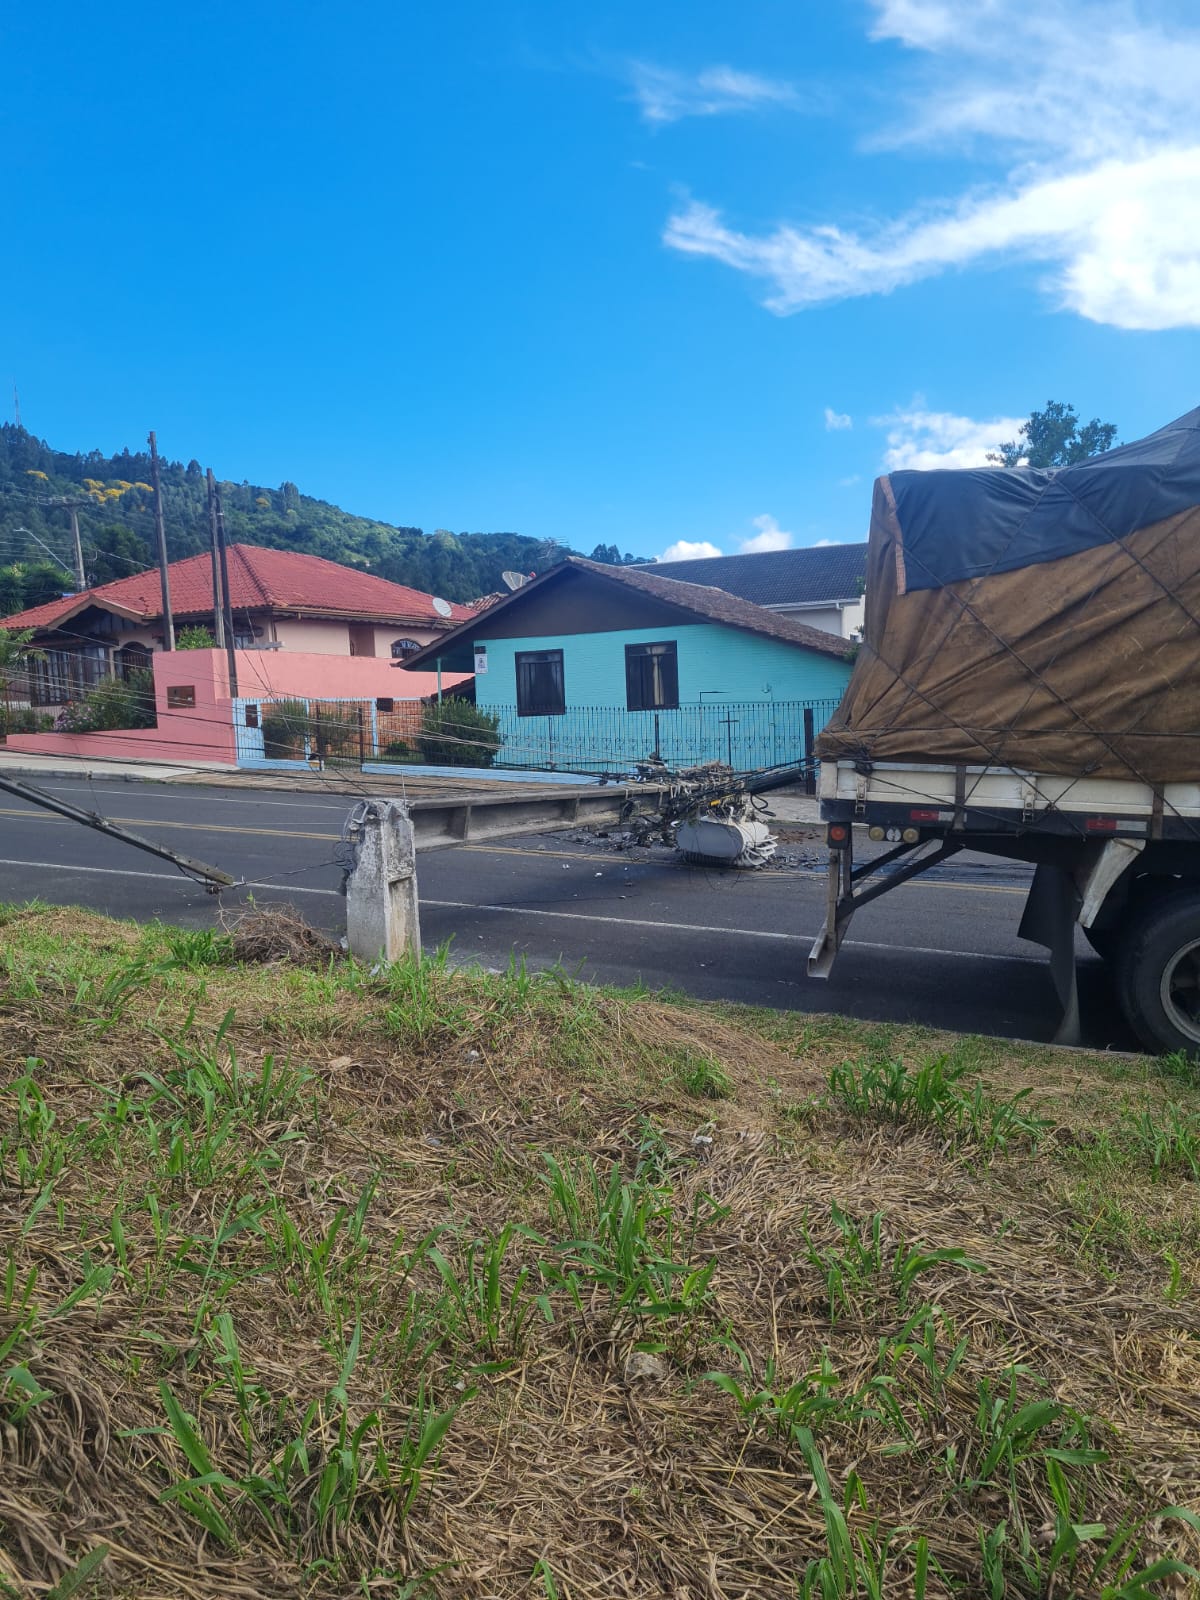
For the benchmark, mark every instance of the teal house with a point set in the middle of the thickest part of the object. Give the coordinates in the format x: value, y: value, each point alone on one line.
x: 592, y: 668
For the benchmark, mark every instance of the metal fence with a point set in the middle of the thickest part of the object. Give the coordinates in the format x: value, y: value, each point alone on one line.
x: 746, y: 735
x: 743, y: 734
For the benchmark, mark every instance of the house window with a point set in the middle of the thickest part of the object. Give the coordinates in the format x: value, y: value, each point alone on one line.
x: 252, y: 716
x: 180, y: 695
x: 403, y: 648
x: 652, y: 677
x: 540, y: 683
x: 362, y: 639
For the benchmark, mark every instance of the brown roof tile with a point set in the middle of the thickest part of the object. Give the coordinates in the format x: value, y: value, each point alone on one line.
x: 279, y: 580
x: 702, y: 601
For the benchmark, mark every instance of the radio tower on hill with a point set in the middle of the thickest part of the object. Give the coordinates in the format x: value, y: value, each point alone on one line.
x: 16, y: 406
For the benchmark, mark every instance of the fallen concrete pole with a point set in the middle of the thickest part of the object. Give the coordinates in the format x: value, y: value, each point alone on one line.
x: 439, y: 823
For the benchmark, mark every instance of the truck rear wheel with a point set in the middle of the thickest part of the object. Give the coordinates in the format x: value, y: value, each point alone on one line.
x: 1158, y: 973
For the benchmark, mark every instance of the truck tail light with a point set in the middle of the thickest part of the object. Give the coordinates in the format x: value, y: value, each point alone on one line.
x: 922, y: 814
x: 1101, y: 825
x: 837, y: 834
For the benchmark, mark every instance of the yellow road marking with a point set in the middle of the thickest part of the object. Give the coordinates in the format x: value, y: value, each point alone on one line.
x: 195, y: 827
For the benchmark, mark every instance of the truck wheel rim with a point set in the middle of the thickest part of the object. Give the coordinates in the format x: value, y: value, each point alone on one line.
x: 1180, y: 990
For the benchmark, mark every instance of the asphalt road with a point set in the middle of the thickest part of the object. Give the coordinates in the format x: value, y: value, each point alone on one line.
x: 942, y: 951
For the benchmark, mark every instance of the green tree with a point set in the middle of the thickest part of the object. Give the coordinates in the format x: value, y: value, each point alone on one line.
x: 1055, y: 438
x: 15, y: 654
x: 610, y: 555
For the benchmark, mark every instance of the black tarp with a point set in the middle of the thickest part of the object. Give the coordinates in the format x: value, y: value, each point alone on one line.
x: 964, y: 524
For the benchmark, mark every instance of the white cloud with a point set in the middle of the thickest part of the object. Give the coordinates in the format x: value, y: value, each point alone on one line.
x: 836, y: 420
x: 927, y: 439
x: 822, y: 544
x: 770, y: 536
x: 1100, y: 111
x: 1084, y: 78
x: 847, y: 483
x: 665, y: 95
x: 689, y: 550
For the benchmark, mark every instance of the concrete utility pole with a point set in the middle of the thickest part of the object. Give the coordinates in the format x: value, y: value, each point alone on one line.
x: 382, y: 920
x: 161, y: 534
x: 218, y: 593
x: 80, y: 576
x: 226, y: 597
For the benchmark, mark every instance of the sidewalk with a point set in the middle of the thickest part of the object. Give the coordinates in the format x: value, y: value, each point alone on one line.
x: 19, y: 764
x: 794, y: 806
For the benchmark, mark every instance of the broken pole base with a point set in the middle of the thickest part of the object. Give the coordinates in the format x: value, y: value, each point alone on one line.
x: 382, y: 918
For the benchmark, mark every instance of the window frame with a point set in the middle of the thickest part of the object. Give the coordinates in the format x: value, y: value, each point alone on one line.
x: 524, y: 661
x: 666, y: 650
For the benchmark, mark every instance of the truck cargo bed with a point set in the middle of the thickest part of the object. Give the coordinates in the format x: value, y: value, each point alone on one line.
x: 983, y: 799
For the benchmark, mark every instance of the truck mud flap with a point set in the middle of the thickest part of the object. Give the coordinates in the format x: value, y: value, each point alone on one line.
x: 1049, y: 919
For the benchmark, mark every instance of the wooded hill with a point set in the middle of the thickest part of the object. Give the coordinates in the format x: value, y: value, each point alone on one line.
x: 116, y: 518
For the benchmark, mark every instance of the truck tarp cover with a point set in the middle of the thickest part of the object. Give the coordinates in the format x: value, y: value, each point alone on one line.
x: 1046, y: 620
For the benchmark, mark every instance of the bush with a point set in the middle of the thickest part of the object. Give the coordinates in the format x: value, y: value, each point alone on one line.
x: 292, y: 727
x: 285, y: 725
x: 195, y: 637
x: 400, y: 750
x: 114, y: 703
x: 334, y: 730
x: 455, y: 733
x: 23, y: 719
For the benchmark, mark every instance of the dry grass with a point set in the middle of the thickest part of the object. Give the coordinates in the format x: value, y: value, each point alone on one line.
x: 325, y: 1216
x: 275, y: 933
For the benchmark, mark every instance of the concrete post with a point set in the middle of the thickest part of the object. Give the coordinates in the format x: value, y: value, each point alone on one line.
x: 382, y: 920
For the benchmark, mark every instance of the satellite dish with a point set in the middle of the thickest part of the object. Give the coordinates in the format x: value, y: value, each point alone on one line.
x: 443, y: 607
x: 514, y: 580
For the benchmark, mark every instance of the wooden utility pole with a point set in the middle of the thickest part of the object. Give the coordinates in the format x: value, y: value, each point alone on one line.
x: 218, y: 588
x: 161, y: 534
x: 226, y: 597
x: 80, y: 575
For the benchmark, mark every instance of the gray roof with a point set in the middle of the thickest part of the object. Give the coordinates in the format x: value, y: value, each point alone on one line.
x: 716, y: 605
x: 778, y: 577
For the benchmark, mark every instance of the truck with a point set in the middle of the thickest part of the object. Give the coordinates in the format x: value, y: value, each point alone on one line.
x: 1028, y: 687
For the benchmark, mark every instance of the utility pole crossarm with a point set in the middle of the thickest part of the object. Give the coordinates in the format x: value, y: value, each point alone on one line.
x: 215, y: 878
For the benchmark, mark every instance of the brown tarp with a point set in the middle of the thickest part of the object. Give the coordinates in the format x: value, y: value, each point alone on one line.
x: 1088, y: 665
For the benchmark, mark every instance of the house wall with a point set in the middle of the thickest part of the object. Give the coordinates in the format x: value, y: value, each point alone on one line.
x: 200, y: 735
x: 741, y: 700
x: 714, y: 661
x: 328, y: 636
x: 204, y: 734
x: 844, y: 620
x: 579, y: 603
x: 281, y: 674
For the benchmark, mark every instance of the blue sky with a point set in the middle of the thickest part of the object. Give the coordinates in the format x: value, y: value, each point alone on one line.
x: 643, y: 274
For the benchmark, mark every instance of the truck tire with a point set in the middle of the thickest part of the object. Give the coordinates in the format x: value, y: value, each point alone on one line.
x: 1103, y: 941
x: 1158, y: 973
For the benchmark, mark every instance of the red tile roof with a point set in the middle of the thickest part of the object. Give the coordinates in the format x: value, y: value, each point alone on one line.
x: 259, y: 580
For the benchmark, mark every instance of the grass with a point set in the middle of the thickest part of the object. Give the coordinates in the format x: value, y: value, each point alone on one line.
x: 439, y: 1282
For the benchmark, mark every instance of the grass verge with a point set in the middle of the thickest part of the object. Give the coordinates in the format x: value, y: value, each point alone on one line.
x: 445, y: 1283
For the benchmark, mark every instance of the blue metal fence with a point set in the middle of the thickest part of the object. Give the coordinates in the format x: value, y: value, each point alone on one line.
x: 743, y: 734
x: 746, y: 735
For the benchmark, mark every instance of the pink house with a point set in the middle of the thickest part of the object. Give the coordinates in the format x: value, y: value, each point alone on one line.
x: 305, y: 630
x: 201, y: 724
x: 284, y: 604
